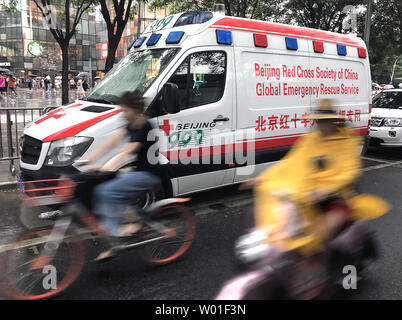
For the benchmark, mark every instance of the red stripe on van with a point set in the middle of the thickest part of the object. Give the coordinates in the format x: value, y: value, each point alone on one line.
x: 73, y: 130
x: 223, y: 149
x: 285, y: 30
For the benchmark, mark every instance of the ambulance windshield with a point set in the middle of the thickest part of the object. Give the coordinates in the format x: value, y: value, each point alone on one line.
x: 135, y: 72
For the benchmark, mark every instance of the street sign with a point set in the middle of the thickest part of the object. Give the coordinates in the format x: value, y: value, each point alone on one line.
x: 35, y: 48
x: 5, y: 64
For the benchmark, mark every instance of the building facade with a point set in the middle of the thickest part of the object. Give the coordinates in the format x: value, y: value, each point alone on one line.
x: 28, y: 47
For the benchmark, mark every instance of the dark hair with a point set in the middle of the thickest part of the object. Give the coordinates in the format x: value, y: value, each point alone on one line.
x: 132, y: 100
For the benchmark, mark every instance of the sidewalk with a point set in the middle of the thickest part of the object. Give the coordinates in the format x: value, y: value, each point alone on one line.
x: 35, y: 99
x: 27, y: 99
x: 7, y: 180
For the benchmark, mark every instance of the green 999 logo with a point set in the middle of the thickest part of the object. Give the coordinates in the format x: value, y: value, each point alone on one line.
x: 183, y: 138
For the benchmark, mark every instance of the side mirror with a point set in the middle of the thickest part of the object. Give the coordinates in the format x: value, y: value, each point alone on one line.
x: 171, y: 98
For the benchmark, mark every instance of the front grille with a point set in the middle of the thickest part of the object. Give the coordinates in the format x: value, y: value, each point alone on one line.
x: 30, y: 149
x: 377, y: 122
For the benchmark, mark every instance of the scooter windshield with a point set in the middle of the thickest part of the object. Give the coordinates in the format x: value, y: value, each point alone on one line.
x: 135, y: 72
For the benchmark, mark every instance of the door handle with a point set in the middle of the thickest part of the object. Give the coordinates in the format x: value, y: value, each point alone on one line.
x: 221, y: 119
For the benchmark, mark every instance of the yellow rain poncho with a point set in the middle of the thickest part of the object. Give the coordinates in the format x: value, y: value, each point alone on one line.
x: 299, y: 173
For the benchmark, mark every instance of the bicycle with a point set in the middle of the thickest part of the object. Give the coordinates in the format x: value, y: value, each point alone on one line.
x: 167, y: 233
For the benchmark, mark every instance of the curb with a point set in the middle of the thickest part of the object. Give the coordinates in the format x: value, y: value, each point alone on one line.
x: 6, y: 186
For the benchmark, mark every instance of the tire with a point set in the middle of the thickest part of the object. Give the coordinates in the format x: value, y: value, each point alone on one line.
x: 149, y: 197
x: 182, y: 220
x: 365, y: 145
x: 15, y: 262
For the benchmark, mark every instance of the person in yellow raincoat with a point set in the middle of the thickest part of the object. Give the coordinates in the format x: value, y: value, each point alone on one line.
x: 321, y: 163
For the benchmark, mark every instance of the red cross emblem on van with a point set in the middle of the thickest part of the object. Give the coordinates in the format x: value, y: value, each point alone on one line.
x: 166, y: 127
x: 57, y: 113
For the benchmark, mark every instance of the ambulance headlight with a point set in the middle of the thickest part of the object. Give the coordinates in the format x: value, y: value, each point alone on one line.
x: 393, y: 122
x: 63, y: 152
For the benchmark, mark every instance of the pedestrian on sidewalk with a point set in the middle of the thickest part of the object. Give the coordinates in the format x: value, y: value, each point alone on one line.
x: 57, y: 84
x: 2, y: 86
x: 80, y: 88
x: 12, y: 85
x: 85, y: 85
x: 72, y: 84
x: 49, y: 83
x: 6, y: 85
x: 34, y: 84
x: 29, y: 82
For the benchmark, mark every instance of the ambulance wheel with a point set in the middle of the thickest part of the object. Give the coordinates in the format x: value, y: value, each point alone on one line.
x: 365, y: 145
x: 151, y: 196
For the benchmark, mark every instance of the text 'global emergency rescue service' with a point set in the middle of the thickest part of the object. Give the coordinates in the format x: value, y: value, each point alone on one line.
x: 271, y: 88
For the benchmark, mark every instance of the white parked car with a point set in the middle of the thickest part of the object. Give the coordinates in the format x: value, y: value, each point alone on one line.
x: 386, y: 118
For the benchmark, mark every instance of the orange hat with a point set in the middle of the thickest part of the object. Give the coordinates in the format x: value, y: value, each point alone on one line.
x: 324, y: 109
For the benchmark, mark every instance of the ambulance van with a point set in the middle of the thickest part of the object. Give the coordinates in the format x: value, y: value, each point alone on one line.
x: 227, y: 97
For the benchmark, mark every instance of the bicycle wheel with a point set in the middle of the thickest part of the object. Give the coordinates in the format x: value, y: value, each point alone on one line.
x: 26, y: 270
x: 182, y: 222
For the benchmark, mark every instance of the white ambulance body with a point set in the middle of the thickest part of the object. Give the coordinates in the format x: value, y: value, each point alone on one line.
x: 240, y: 90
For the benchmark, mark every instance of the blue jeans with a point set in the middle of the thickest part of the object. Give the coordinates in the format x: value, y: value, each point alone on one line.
x: 112, y: 198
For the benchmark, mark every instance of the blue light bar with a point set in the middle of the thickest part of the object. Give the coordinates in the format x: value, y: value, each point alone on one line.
x: 131, y: 44
x: 341, y: 49
x: 138, y: 43
x: 174, y: 37
x: 224, y: 36
x: 153, y: 39
x: 291, y: 43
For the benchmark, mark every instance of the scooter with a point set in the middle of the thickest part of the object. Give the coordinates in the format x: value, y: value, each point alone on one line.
x: 268, y: 271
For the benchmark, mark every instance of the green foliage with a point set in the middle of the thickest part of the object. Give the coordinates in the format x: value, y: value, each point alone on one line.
x: 10, y: 6
x: 256, y: 9
x: 319, y: 14
x: 64, y: 22
x: 386, y: 40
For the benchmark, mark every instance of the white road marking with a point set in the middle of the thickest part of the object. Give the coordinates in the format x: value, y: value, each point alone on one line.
x: 375, y: 159
x: 380, y: 166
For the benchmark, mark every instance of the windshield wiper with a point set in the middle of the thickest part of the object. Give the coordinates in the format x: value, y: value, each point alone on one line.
x: 97, y: 100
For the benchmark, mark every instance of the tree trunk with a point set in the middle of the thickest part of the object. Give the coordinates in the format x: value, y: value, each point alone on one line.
x: 64, y: 81
x: 227, y: 7
x: 113, y: 45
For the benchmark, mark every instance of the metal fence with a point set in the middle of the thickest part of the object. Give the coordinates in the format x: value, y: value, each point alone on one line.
x: 12, y: 123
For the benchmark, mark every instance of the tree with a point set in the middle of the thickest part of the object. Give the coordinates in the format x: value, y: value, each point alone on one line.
x: 63, y: 28
x: 116, y: 18
x: 50, y: 62
x: 253, y: 9
x: 319, y: 14
x: 385, y: 40
x: 8, y: 5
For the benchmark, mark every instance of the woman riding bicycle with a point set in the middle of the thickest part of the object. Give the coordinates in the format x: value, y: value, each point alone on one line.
x: 111, y: 198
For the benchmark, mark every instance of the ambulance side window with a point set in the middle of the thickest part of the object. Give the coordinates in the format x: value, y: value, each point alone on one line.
x: 201, y: 78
